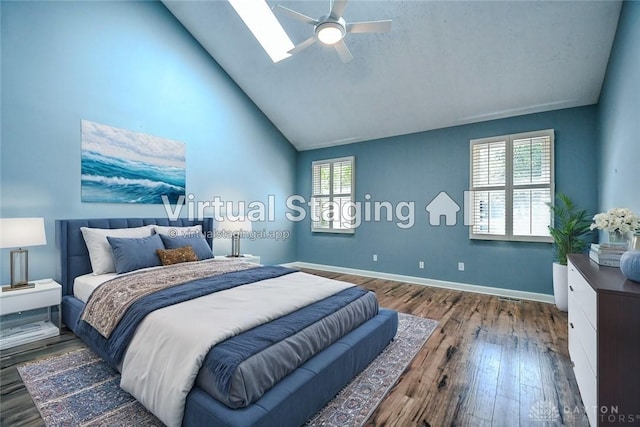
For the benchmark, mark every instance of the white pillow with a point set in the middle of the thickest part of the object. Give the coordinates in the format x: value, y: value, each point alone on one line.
x: 172, y: 231
x: 99, y: 249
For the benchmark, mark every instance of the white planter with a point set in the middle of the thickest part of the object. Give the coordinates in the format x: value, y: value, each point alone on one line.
x: 561, y: 286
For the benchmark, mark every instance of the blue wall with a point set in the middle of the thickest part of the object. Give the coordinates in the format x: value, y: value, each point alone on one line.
x: 129, y: 65
x: 416, y: 168
x: 619, y: 117
x: 132, y: 65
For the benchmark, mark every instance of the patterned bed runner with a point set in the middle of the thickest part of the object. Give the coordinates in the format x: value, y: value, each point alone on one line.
x: 110, y: 301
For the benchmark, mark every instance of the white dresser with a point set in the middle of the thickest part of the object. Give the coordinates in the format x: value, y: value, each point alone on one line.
x: 604, y: 341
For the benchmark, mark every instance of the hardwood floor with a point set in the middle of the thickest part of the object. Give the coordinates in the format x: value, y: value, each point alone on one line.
x: 490, y: 362
x: 16, y: 406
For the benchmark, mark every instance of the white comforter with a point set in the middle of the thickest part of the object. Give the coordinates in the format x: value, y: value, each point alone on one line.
x: 170, y: 344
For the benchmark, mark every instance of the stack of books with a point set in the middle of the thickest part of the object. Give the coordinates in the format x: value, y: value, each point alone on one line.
x: 607, y: 254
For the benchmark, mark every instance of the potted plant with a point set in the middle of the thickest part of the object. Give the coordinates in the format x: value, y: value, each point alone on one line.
x: 570, y: 226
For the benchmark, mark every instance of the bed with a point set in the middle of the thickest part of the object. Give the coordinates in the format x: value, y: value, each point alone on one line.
x: 293, y: 399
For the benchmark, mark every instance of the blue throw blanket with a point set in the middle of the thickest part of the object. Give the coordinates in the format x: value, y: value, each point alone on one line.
x: 225, y: 357
x: 112, y: 349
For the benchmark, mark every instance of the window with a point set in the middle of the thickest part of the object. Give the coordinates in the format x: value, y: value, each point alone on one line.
x: 512, y: 183
x: 332, y: 199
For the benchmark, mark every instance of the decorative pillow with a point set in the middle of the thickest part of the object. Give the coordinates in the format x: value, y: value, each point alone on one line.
x: 99, y: 250
x: 176, y: 256
x: 197, y: 242
x: 178, y: 231
x: 131, y: 254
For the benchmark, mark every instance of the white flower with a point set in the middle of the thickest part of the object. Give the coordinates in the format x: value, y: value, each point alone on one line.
x: 622, y: 220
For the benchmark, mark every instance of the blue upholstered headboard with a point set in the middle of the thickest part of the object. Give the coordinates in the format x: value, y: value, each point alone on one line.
x: 74, y: 256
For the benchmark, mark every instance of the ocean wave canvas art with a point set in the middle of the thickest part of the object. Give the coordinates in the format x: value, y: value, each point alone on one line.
x: 122, y: 166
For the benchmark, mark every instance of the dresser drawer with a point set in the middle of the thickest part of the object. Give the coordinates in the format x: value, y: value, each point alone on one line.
x: 582, y: 333
x: 586, y: 379
x: 583, y: 294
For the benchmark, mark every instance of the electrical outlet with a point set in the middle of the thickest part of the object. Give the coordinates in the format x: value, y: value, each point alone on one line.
x: 461, y: 266
x: 421, y: 264
x: 375, y: 257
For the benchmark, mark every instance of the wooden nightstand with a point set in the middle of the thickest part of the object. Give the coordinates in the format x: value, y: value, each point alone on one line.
x: 26, y: 315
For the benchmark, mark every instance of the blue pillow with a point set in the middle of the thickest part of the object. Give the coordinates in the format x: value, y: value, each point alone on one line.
x: 131, y: 254
x: 195, y: 240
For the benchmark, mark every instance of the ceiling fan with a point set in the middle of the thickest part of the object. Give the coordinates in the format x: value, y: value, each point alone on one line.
x: 331, y: 29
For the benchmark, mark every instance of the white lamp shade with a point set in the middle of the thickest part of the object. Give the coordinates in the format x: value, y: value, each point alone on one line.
x: 22, y: 232
x: 231, y: 226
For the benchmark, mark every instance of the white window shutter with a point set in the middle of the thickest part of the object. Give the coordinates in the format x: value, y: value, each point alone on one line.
x: 512, y: 182
x: 332, y: 195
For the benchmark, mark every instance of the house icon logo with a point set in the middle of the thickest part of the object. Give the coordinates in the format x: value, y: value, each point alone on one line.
x: 442, y: 205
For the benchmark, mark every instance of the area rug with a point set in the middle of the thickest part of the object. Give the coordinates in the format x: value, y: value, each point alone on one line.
x: 79, y: 389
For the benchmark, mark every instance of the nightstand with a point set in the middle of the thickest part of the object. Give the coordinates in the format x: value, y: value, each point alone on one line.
x: 246, y: 258
x: 250, y: 258
x: 26, y: 315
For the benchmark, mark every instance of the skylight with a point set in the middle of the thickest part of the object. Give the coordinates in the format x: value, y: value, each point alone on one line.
x: 259, y: 18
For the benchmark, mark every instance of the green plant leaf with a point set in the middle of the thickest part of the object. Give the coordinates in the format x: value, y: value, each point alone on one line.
x: 569, y: 229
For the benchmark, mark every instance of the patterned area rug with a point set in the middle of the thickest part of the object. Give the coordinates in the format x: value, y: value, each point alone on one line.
x: 78, y: 389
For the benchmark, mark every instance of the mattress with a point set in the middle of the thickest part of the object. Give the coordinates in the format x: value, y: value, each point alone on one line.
x: 83, y: 286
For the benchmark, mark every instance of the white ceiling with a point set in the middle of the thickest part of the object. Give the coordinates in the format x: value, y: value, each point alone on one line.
x: 444, y: 63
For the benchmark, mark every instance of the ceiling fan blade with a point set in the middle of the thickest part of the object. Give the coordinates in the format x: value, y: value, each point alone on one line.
x: 369, y: 27
x: 303, y: 45
x: 343, y: 51
x: 337, y: 8
x: 295, y: 15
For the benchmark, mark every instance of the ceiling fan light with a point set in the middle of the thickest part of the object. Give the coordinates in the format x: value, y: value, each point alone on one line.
x: 330, y: 32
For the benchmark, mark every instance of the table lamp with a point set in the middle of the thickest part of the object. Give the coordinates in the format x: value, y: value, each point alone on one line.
x: 20, y: 233
x: 235, y: 228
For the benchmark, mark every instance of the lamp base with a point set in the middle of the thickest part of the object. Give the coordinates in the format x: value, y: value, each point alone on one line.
x: 235, y: 245
x: 18, y: 287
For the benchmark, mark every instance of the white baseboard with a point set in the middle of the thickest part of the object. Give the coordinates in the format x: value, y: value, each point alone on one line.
x: 488, y: 290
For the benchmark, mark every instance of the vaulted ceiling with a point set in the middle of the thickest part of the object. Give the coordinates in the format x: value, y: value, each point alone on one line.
x: 444, y: 63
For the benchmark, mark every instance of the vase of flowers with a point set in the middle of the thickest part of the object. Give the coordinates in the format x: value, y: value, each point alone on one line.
x: 617, y: 237
x: 618, y: 222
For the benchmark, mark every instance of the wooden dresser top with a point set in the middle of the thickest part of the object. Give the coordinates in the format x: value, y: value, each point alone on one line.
x: 604, y: 279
